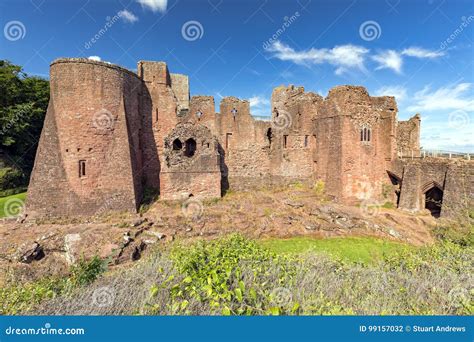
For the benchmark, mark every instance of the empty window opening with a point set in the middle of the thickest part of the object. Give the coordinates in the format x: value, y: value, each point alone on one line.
x: 177, y: 145
x: 190, y: 147
x: 396, y: 184
x: 82, y: 168
x: 199, y: 114
x: 434, y: 201
x: 269, y: 136
x: 285, y: 141
x: 156, y: 114
x: 306, y: 140
x: 365, y: 134
x: 234, y: 112
x: 228, y: 136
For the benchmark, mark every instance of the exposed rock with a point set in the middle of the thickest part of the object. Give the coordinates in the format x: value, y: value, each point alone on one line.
x: 294, y: 204
x: 156, y: 234
x: 30, y: 252
x: 394, y: 233
x: 69, y: 241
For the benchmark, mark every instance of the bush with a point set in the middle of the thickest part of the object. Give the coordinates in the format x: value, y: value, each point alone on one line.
x: 22, y: 298
x: 86, y: 271
x: 461, y: 234
x: 10, y: 178
x: 236, y: 276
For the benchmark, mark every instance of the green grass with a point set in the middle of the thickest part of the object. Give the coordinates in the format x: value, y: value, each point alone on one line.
x: 354, y: 249
x: 3, y: 201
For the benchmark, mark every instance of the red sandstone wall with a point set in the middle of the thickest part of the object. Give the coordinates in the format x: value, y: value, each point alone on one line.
x: 88, y: 119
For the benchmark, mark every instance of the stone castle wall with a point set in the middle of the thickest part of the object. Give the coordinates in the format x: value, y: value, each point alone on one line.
x: 135, y: 131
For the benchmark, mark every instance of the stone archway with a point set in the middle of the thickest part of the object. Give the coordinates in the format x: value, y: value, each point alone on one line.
x: 433, y: 198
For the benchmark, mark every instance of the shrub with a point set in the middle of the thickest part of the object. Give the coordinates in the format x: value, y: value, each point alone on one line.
x: 21, y: 298
x: 10, y: 178
x: 234, y: 275
x: 86, y: 271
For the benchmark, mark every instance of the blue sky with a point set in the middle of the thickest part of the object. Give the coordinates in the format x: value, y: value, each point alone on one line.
x: 420, y: 51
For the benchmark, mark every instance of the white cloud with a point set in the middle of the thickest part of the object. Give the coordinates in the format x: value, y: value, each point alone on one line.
x: 389, y: 59
x: 154, y: 5
x: 127, y: 16
x: 94, y: 58
x: 259, y: 106
x: 418, y: 52
x: 399, y: 92
x: 343, y: 57
x: 451, y: 97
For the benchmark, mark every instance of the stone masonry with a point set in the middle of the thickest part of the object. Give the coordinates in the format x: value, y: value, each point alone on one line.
x: 110, y: 134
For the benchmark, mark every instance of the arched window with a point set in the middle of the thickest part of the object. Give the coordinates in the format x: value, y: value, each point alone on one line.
x: 190, y: 147
x: 365, y: 134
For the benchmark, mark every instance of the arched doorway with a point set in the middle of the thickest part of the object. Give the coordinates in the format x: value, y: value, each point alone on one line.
x: 434, y: 200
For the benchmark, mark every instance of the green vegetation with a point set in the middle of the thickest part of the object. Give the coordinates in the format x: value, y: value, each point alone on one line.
x: 4, y: 200
x: 354, y: 249
x: 237, y: 276
x: 23, y: 104
x: 21, y: 298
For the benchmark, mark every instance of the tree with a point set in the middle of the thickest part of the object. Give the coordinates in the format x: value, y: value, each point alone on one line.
x: 23, y: 105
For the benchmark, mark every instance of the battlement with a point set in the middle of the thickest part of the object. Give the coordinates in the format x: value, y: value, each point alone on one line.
x: 109, y: 132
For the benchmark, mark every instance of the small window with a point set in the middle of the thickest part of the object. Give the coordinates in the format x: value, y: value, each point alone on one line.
x: 234, y: 112
x: 306, y: 140
x: 82, y: 168
x: 365, y: 133
x: 285, y: 141
x: 177, y: 145
x: 199, y: 114
x: 156, y: 114
x: 190, y: 147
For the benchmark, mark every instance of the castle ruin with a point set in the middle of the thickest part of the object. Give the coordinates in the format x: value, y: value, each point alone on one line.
x: 110, y: 134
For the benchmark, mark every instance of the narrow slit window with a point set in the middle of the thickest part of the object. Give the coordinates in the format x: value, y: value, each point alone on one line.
x: 82, y: 168
x: 306, y: 140
x: 285, y: 141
